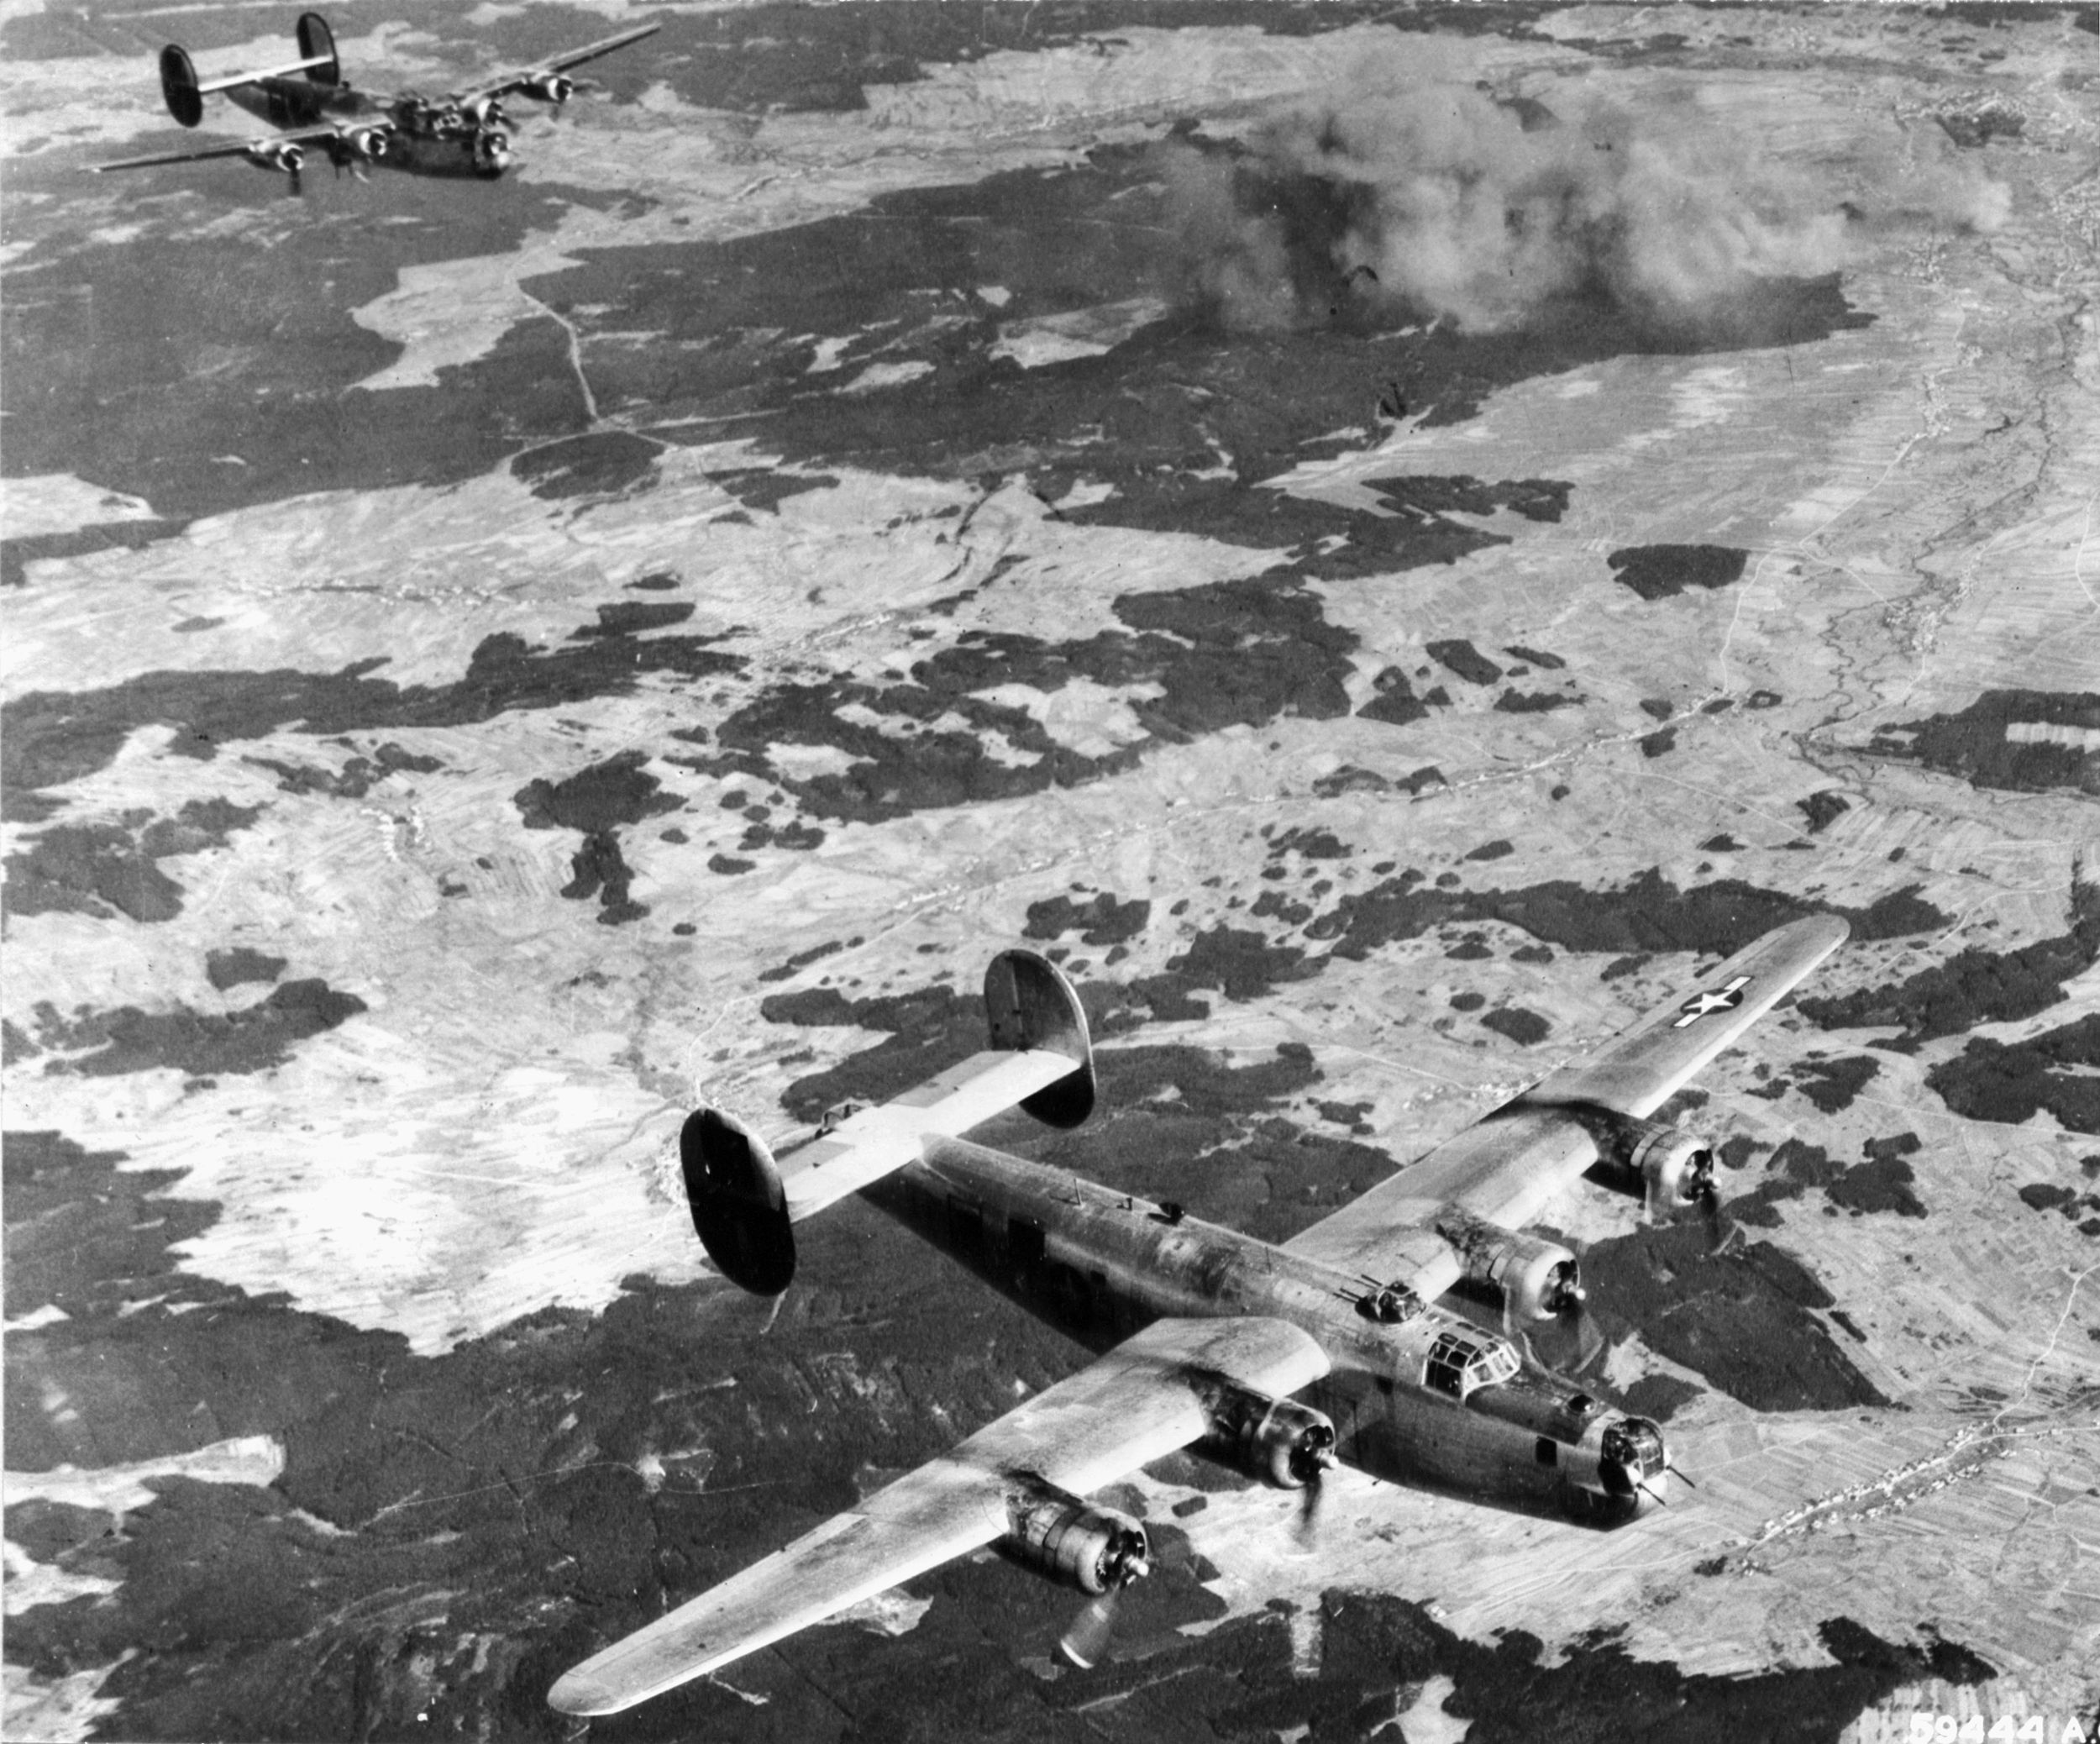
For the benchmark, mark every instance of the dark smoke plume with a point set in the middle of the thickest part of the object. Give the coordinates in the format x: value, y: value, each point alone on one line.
x: 1413, y: 196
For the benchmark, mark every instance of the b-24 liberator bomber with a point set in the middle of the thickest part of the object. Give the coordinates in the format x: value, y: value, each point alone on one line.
x: 1365, y: 1339
x: 463, y: 133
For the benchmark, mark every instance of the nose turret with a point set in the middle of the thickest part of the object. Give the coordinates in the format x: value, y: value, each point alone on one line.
x: 1633, y: 1461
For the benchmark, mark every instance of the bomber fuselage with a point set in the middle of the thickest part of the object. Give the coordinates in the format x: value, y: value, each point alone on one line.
x: 424, y: 137
x: 1417, y: 1395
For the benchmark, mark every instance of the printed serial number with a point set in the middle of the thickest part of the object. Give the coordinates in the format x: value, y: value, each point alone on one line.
x: 2034, y: 1729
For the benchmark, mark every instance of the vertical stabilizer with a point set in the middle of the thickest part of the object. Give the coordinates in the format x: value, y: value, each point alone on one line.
x: 1029, y: 1004
x: 316, y: 42
x: 178, y: 85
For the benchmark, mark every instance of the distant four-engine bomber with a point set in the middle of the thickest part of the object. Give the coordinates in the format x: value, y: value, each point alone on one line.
x: 462, y: 133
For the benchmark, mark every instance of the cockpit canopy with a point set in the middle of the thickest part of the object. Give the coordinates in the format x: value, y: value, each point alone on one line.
x: 1459, y: 1362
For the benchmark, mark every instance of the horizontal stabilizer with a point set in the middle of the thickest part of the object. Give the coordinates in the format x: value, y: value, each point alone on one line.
x: 744, y: 1202
x: 227, y: 81
x: 865, y: 1147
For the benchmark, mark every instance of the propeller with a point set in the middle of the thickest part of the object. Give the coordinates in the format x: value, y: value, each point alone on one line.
x: 1568, y: 1343
x: 1310, y: 1461
x: 1707, y: 1198
x: 1697, y: 1196
x: 1085, y: 1643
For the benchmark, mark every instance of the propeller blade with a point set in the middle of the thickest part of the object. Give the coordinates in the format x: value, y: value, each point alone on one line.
x: 1305, y: 1524
x: 1085, y: 1643
x: 1717, y: 1231
x: 1568, y: 1343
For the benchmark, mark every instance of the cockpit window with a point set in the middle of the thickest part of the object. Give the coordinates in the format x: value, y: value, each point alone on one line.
x: 1496, y: 1364
x: 1456, y: 1364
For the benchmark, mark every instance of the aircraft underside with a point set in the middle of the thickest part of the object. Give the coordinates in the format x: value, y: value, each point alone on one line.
x: 415, y: 144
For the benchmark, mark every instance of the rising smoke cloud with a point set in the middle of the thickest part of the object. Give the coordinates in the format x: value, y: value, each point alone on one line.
x: 1428, y: 195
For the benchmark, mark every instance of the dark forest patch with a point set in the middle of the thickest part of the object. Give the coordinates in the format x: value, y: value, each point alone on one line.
x: 1743, y: 1318
x: 765, y: 488
x: 1973, y: 986
x: 51, y: 736
x: 1103, y: 920
x: 1513, y: 702
x: 1822, y: 809
x: 238, y: 965
x: 110, y: 869
x: 741, y: 323
x: 1393, y: 701
x: 1423, y: 496
x: 1832, y: 1083
x: 602, y: 796
x: 603, y: 463
x: 1225, y: 654
x: 632, y: 617
x: 357, y: 777
x: 1317, y: 538
x: 187, y: 369
x: 1977, y: 745
x: 802, y: 960
x: 1658, y: 572
x: 2057, y: 1072
x: 1883, y: 1182
x: 200, y: 1044
x: 1309, y: 842
x: 1649, y: 914
x: 598, y: 801
x: 18, y: 552
x: 1527, y: 1029
x: 1458, y: 655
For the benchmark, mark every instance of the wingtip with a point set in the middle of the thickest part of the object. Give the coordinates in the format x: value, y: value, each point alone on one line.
x: 574, y: 1694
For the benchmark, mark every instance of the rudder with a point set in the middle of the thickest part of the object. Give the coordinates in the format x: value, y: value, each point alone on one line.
x: 316, y: 42
x: 1028, y: 1003
x: 739, y: 1207
x: 178, y: 85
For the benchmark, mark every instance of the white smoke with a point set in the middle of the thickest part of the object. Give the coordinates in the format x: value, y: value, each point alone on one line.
x: 1430, y: 192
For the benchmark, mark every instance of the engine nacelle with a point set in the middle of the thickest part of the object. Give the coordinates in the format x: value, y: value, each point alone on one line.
x: 1073, y: 1542
x: 1284, y: 1444
x: 1671, y: 1169
x: 1535, y: 1279
x: 491, y: 152
x: 369, y: 142
x: 273, y: 155
x: 547, y: 88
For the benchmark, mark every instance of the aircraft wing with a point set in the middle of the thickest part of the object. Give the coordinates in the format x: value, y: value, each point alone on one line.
x: 231, y: 147
x: 1508, y: 1167
x: 505, y: 83
x: 1144, y: 1399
